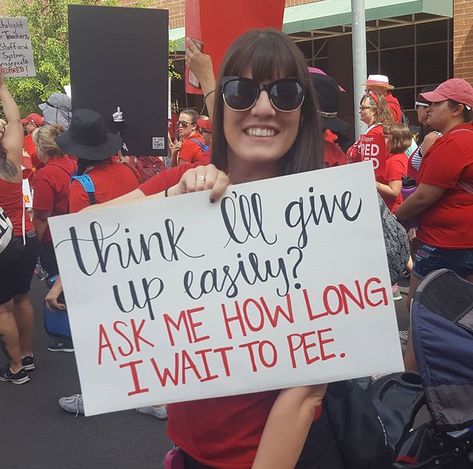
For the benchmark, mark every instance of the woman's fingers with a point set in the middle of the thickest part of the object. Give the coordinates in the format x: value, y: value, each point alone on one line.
x: 200, y: 179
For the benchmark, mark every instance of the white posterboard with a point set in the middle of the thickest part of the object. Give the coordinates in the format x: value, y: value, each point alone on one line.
x: 284, y: 282
x: 16, y: 52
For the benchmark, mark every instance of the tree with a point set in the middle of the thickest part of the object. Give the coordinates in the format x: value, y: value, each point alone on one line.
x: 47, y: 21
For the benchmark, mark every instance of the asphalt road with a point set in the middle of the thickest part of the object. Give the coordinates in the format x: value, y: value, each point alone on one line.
x: 35, y: 433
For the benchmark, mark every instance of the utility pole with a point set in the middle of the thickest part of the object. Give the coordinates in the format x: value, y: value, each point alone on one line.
x: 359, y: 58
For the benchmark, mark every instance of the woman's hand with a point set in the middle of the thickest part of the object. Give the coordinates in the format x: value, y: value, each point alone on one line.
x: 201, y: 66
x: 202, y: 178
x: 175, y: 147
x: 53, y: 295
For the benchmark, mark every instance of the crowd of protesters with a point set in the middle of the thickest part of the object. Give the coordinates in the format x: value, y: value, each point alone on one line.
x: 77, y: 163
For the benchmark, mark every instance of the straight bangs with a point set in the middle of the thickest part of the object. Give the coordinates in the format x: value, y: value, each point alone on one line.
x: 269, y: 55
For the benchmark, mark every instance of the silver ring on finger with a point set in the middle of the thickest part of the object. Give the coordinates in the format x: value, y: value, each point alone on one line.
x: 200, y: 178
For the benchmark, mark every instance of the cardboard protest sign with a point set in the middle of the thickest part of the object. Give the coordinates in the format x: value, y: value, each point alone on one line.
x: 283, y: 282
x: 16, y: 53
x: 119, y: 59
x: 373, y: 148
x: 216, y: 24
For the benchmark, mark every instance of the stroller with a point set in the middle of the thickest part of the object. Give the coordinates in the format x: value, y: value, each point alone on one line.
x: 442, y: 325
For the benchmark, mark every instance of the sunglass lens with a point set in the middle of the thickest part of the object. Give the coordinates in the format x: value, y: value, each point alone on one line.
x: 240, y: 94
x: 287, y: 94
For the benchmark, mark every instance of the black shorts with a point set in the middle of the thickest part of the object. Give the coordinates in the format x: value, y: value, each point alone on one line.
x: 47, y: 257
x: 16, y: 274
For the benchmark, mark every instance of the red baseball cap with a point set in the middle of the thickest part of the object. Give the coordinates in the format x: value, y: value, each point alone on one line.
x: 456, y: 89
x: 33, y: 118
x: 204, y: 124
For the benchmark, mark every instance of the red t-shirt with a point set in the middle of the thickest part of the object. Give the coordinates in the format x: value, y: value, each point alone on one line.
x: 396, y: 169
x: 11, y: 201
x: 448, y: 223
x: 170, y: 176
x: 110, y: 179
x: 220, y: 432
x: 51, y: 187
x: 394, y: 107
x: 190, y: 150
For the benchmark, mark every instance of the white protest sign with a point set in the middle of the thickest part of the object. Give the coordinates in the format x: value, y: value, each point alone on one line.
x: 283, y: 282
x: 16, y: 53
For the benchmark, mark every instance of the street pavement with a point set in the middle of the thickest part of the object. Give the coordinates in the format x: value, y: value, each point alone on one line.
x: 35, y: 433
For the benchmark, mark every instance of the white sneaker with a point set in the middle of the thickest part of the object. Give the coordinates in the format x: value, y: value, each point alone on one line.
x: 72, y: 404
x: 160, y: 412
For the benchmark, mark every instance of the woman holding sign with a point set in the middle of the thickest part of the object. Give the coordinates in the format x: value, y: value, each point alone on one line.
x: 266, y: 124
x: 18, y: 251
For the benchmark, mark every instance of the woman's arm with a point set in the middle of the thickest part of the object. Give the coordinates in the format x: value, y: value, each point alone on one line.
x: 390, y: 190
x: 429, y: 140
x: 13, y: 138
x: 423, y: 197
x: 40, y: 222
x: 287, y: 427
x: 202, y: 68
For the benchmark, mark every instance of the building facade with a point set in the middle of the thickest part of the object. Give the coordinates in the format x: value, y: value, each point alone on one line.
x: 415, y: 42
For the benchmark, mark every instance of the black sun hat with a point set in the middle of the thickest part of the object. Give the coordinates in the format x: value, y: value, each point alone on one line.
x: 328, y: 93
x: 87, y: 137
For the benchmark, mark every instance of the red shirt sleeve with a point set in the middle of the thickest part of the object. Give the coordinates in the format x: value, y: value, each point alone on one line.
x: 78, y: 198
x: 396, y: 167
x: 43, y: 192
x: 443, y: 164
x: 169, y: 177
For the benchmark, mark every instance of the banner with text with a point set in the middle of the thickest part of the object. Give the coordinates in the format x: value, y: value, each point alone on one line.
x: 283, y: 282
x: 373, y: 148
x: 16, y: 53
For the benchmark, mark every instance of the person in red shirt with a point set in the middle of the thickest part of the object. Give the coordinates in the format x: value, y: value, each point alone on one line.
x: 379, y: 84
x: 375, y: 113
x: 191, y: 145
x: 30, y: 123
x: 18, y: 257
x: 88, y: 140
x: 443, y: 200
x: 389, y: 185
x: 254, y: 139
x: 51, y: 196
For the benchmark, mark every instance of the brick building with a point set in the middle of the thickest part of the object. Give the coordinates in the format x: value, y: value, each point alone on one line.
x: 415, y: 42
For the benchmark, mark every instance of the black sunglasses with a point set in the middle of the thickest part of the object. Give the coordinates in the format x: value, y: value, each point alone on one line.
x: 183, y: 124
x: 241, y: 94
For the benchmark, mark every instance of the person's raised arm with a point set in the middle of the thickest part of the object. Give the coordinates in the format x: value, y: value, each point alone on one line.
x: 13, y: 137
x: 201, y: 66
x: 287, y: 427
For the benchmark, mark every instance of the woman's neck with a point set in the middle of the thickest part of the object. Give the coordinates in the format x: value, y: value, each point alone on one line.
x: 451, y: 125
x: 239, y: 171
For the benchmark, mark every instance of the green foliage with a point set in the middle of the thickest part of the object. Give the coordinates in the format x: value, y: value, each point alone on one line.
x: 47, y: 21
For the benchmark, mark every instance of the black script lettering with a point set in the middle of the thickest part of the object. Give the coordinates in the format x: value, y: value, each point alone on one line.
x: 228, y: 279
x: 135, y: 302
x: 250, y: 212
x: 167, y: 246
x: 320, y: 209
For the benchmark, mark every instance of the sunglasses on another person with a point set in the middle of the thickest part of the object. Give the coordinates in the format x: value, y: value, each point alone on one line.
x: 241, y: 94
x: 184, y: 124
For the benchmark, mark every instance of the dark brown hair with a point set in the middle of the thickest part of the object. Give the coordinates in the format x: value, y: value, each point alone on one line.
x: 191, y: 112
x: 269, y: 54
x: 467, y: 114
